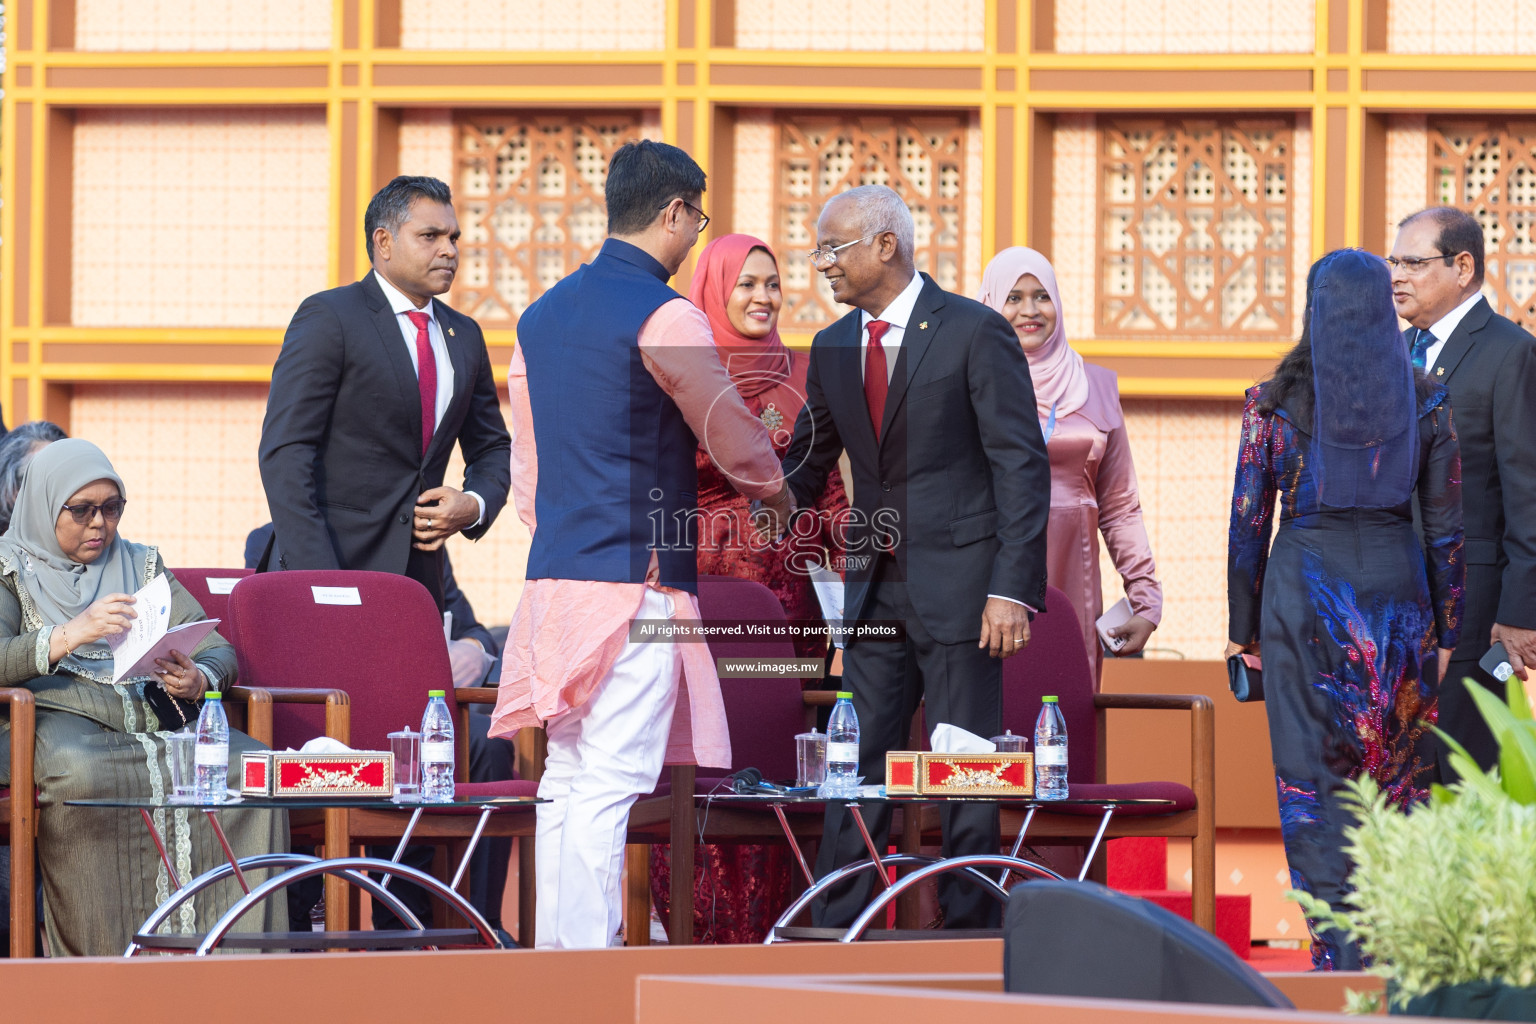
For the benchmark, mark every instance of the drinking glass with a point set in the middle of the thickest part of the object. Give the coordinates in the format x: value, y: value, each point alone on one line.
x: 405, y: 745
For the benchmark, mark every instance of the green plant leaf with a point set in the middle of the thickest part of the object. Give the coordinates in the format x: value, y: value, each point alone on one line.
x: 1439, y: 794
x: 1517, y: 762
x: 1514, y: 693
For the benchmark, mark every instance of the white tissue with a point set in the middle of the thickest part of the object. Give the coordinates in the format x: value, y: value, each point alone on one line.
x: 951, y: 739
x: 324, y: 745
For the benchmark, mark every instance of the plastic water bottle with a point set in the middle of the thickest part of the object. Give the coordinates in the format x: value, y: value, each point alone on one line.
x: 211, y: 780
x: 1050, y: 752
x: 436, y: 751
x: 842, y: 748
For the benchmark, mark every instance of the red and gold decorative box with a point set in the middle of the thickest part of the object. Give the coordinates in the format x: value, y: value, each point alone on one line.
x: 977, y: 774
x: 292, y: 773
x: 900, y: 772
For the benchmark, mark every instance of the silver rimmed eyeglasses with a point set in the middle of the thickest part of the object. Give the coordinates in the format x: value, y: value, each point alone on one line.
x: 823, y: 258
x: 1416, y: 264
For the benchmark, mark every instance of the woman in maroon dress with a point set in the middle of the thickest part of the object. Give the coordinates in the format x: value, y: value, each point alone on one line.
x: 740, y: 890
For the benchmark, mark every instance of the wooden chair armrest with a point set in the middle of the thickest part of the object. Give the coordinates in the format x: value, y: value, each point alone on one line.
x: 23, y: 814
x: 1154, y: 701
x: 819, y: 698
x: 260, y: 699
x: 23, y: 731
x: 476, y: 694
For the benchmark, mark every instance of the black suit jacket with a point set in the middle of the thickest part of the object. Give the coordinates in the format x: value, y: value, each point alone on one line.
x: 340, y: 454
x: 1488, y: 365
x: 958, y: 482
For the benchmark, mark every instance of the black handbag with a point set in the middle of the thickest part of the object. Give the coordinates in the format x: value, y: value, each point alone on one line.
x: 174, y: 713
x: 1245, y: 676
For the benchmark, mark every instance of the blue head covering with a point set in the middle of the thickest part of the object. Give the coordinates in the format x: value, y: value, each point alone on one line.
x: 1364, y: 418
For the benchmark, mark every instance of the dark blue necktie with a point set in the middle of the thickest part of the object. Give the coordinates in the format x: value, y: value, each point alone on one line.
x: 1421, y: 346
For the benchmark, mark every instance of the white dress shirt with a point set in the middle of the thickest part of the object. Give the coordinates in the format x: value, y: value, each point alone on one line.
x: 402, y: 306
x: 896, y: 314
x: 1445, y: 327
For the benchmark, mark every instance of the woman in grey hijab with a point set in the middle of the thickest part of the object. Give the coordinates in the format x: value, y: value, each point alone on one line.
x: 66, y: 585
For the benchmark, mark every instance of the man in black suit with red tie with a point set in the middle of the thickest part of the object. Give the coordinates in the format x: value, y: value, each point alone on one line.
x: 1488, y: 364
x: 930, y: 396
x: 375, y: 384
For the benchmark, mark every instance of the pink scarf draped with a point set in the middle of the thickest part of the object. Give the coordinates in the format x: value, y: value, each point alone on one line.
x: 1057, y: 370
x: 760, y: 368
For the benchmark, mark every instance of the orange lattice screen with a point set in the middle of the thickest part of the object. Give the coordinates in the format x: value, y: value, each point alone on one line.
x: 922, y: 157
x: 1488, y: 168
x: 529, y: 192
x: 1196, y: 228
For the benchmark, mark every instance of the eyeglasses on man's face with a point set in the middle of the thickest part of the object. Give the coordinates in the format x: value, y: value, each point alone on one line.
x: 703, y: 217
x: 84, y: 513
x: 821, y: 259
x: 1418, y: 264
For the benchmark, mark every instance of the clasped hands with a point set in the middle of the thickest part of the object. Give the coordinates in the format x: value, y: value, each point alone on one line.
x: 113, y: 615
x: 770, y: 517
x: 440, y: 513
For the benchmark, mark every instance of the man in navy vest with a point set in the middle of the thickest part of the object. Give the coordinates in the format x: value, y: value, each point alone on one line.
x: 614, y: 386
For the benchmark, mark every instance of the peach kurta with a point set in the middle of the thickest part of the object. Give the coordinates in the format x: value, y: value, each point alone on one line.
x: 566, y: 634
x: 1093, y: 491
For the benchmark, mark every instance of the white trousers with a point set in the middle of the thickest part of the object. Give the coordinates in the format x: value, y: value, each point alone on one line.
x: 602, y: 757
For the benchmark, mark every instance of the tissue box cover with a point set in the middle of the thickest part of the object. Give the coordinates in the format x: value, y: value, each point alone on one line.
x: 976, y: 774
x: 293, y: 773
x: 900, y: 771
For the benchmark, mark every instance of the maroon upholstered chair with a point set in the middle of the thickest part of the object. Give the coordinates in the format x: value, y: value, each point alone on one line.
x: 211, y: 587
x: 1055, y: 663
x: 378, y: 637
x: 763, y: 714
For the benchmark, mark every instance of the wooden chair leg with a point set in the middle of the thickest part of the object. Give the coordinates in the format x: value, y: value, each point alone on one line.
x: 908, y: 914
x: 637, y: 898
x: 1202, y: 850
x: 683, y: 832
x: 527, y: 893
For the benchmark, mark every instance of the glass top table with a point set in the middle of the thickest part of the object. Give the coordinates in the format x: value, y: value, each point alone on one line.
x: 293, y: 867
x: 925, y: 867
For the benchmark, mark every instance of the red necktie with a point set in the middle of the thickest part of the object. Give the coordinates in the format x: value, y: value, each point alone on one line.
x: 877, y: 381
x: 426, y: 377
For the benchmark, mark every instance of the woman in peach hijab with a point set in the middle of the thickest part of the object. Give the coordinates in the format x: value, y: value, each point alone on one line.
x: 1093, y: 482
x: 739, y: 890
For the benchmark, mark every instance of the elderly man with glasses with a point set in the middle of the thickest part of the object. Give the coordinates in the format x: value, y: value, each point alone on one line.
x: 930, y: 396
x: 1488, y: 364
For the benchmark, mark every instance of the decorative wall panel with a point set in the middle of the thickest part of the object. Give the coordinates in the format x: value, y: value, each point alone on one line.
x: 870, y: 25
x: 1488, y: 168
x: 188, y: 25
x: 1196, y: 228
x: 1185, y: 26
x: 528, y: 188
x: 198, y: 217
x: 924, y: 157
x: 1461, y: 26
x: 533, y: 24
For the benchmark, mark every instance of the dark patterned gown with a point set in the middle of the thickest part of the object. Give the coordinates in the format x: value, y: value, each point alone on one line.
x: 1350, y: 604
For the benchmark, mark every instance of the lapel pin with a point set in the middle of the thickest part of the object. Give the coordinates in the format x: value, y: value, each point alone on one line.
x: 923, y: 326
x: 1439, y: 371
x: 450, y: 332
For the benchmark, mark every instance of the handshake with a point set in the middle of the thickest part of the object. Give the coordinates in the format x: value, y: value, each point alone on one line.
x: 771, y: 518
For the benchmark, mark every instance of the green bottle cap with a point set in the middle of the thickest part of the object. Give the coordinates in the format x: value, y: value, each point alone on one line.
x: 440, y: 693
x: 1049, y: 700
x: 844, y: 695
x: 213, y: 695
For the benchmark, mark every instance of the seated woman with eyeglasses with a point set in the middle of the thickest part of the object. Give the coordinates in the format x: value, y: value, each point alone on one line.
x: 66, y: 588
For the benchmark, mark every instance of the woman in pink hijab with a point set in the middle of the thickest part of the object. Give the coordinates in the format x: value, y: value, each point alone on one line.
x: 740, y: 890
x: 1093, y: 482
